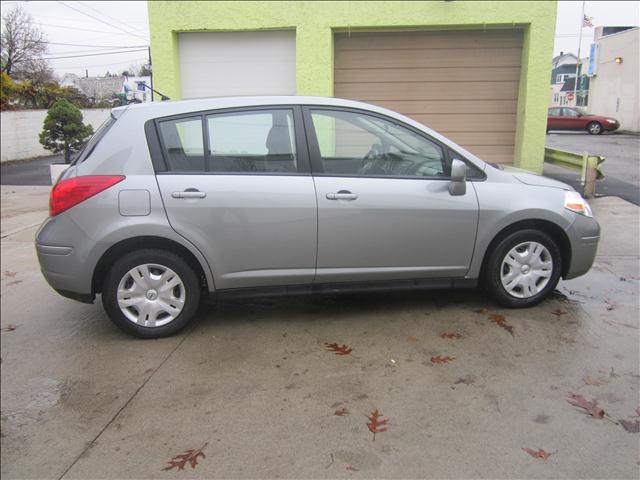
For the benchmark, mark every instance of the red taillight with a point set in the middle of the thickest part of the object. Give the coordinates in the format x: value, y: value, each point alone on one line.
x: 72, y: 191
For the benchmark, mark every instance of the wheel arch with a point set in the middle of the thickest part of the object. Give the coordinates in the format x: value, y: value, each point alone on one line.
x: 135, y: 243
x: 552, y: 229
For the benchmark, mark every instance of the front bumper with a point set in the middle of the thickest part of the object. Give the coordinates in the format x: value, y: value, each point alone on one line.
x: 584, y: 235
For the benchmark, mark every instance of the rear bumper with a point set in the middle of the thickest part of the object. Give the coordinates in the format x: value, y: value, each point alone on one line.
x: 584, y: 235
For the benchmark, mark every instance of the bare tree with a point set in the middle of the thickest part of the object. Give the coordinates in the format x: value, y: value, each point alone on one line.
x: 23, y: 45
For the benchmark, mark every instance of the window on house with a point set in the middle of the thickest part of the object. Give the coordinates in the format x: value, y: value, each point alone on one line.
x: 556, y: 97
x: 562, y: 77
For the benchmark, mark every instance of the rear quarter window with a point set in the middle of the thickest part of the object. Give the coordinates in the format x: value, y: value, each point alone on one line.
x: 94, y: 140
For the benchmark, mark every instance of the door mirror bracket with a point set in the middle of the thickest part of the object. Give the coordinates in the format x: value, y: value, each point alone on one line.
x: 458, y: 185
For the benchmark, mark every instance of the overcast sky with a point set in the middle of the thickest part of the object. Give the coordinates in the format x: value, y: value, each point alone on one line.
x: 109, y: 26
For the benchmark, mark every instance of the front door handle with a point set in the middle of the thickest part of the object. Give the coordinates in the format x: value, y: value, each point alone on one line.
x: 189, y: 193
x: 342, y: 195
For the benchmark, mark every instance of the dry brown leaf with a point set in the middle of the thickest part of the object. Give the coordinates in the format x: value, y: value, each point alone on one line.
x: 631, y: 426
x: 594, y: 382
x: 540, y: 453
x: 412, y: 339
x: 342, y: 412
x: 8, y: 328
x: 557, y: 312
x: 353, y: 469
x: 450, y: 335
x: 338, y: 349
x: 439, y: 360
x: 481, y: 311
x: 590, y: 408
x: 501, y: 321
x: 191, y: 456
x: 376, y: 424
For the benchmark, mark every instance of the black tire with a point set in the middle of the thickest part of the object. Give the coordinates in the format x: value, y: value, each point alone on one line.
x: 151, y: 256
x: 491, y: 277
x: 594, y: 128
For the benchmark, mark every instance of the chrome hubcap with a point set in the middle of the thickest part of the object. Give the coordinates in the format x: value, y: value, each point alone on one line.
x: 526, y: 269
x: 151, y: 295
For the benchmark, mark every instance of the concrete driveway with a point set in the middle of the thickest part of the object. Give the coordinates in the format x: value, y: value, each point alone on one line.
x: 253, y: 385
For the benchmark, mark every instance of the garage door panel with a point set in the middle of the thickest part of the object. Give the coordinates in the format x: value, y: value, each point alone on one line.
x: 429, y: 91
x: 463, y: 84
x: 215, y: 64
x: 429, y: 40
x: 500, y: 57
x: 466, y: 122
x: 453, y: 74
x: 411, y: 108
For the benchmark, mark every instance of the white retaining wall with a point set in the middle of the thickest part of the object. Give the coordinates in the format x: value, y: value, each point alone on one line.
x: 20, y: 131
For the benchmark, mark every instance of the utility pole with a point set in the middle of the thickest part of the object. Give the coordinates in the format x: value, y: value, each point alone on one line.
x: 150, y: 71
x: 575, y: 83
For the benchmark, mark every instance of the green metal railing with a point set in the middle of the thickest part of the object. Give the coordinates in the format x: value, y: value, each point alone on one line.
x: 589, y: 166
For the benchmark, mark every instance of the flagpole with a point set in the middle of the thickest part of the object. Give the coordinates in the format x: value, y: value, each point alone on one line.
x: 575, y: 82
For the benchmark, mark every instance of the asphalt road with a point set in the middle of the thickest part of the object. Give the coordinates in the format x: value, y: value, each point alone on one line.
x: 621, y: 167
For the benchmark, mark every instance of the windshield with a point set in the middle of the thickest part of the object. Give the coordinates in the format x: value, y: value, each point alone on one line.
x: 84, y: 153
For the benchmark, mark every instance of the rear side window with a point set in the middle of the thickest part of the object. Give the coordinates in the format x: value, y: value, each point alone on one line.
x: 554, y: 111
x: 183, y: 144
x: 94, y: 140
x: 249, y: 141
x: 260, y: 141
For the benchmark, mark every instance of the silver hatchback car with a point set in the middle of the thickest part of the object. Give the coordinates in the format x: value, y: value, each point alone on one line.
x: 174, y: 201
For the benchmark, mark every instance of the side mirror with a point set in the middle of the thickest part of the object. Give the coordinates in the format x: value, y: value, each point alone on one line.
x: 458, y: 185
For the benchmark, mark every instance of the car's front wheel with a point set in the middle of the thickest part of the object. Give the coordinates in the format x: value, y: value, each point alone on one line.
x: 594, y: 128
x: 151, y: 293
x: 523, y: 268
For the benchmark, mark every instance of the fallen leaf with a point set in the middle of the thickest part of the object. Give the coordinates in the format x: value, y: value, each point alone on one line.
x: 481, y: 311
x: 595, y: 382
x: 8, y: 328
x: 540, y: 453
x: 631, y: 426
x: 342, y: 412
x: 353, y: 469
x: 557, y: 312
x: 15, y: 282
x: 412, y: 339
x: 501, y: 322
x: 450, y: 335
x: 191, y: 456
x: 375, y: 423
x: 440, y: 359
x: 8, y: 273
x: 338, y: 349
x: 590, y: 408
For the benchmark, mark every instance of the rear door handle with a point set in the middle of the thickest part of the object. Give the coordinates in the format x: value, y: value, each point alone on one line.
x: 189, y: 193
x: 342, y: 195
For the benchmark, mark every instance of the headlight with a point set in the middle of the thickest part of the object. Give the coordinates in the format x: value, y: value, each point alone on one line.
x: 611, y: 120
x: 573, y: 201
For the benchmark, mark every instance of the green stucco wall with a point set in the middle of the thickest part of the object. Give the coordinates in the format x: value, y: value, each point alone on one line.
x: 314, y: 23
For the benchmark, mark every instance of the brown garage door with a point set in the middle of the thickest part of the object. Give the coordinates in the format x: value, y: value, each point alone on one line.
x: 463, y: 84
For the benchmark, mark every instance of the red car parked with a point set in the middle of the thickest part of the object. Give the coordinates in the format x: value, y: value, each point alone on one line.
x: 563, y: 118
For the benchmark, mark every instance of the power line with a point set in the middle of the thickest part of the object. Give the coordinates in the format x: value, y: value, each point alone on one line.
x: 98, y: 46
x: 93, y: 50
x: 110, y: 17
x: 67, y: 27
x: 97, y: 54
x: 102, y: 21
x: 104, y: 64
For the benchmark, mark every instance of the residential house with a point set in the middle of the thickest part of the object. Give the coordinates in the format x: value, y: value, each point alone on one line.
x: 563, y: 74
x: 105, y: 88
x: 615, y: 75
x: 469, y: 70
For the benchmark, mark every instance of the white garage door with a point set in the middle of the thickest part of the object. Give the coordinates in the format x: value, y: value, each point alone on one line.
x: 218, y: 64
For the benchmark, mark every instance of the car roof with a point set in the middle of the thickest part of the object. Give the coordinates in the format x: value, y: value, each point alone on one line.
x: 177, y: 107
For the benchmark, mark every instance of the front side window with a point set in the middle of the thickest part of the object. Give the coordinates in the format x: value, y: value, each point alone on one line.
x: 183, y: 144
x: 252, y: 142
x: 554, y: 111
x: 363, y: 145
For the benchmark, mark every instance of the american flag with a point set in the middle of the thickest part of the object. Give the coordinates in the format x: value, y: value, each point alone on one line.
x: 586, y: 21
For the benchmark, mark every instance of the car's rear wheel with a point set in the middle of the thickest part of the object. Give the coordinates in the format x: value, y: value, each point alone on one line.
x: 594, y: 128
x: 523, y: 268
x: 151, y: 293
